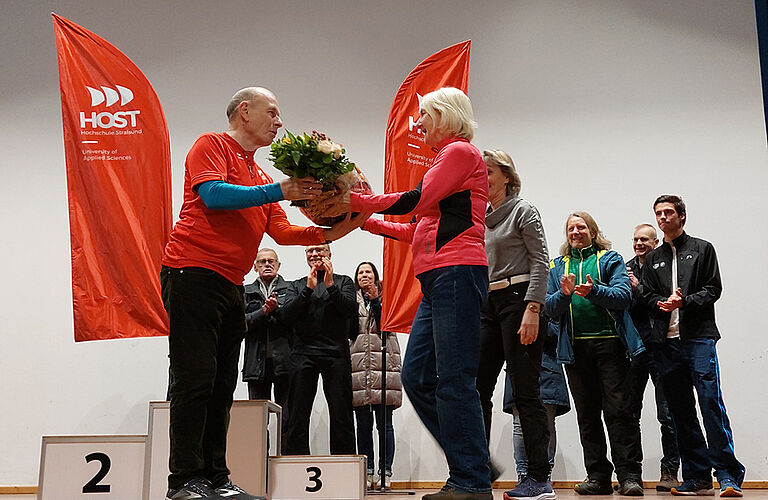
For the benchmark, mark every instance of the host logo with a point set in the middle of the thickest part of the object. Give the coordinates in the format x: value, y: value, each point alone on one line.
x: 105, y: 119
x: 110, y: 95
x: 109, y: 120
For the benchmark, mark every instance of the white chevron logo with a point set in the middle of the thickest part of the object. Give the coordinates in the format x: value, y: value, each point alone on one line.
x: 110, y: 95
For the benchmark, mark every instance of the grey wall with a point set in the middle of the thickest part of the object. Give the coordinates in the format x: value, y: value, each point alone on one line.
x: 603, y: 105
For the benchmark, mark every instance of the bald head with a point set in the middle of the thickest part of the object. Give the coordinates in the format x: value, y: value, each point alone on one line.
x: 247, y: 94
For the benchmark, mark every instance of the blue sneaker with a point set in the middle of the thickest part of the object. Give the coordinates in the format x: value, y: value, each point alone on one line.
x: 530, y: 489
x: 694, y: 487
x: 729, y: 488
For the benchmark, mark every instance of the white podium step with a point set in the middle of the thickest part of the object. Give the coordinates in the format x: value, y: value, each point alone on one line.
x: 334, y: 477
x: 246, y: 447
x: 87, y: 467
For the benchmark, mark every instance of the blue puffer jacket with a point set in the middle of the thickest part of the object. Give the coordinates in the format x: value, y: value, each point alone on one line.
x: 611, y: 290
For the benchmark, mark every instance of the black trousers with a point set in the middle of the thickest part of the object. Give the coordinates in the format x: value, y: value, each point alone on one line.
x: 262, y: 389
x: 337, y: 387
x: 207, y: 326
x: 501, y: 316
x: 643, y: 368
x: 598, y: 379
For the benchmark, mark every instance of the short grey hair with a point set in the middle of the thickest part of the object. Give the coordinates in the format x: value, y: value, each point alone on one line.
x: 645, y: 225
x: 242, y: 95
x: 504, y: 162
x: 451, y: 110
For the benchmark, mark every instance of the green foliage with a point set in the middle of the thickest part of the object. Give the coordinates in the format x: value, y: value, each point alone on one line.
x: 299, y: 156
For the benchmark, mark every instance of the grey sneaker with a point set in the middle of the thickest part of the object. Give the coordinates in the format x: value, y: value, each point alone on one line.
x: 530, y: 489
x: 630, y: 488
x: 198, y: 489
x: 667, y: 481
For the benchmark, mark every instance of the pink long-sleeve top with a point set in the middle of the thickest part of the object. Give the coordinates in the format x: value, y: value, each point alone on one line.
x: 449, y: 206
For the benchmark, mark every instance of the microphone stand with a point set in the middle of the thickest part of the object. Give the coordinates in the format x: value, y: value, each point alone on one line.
x: 382, y: 490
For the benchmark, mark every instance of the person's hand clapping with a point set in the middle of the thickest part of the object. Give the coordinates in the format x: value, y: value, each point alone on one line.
x: 675, y: 301
x: 584, y: 289
x: 568, y: 283
x: 632, y: 279
x: 269, y: 305
x: 328, y: 278
x: 371, y: 291
x: 312, y: 276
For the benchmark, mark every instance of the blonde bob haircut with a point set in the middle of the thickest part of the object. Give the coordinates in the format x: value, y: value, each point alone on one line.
x: 451, y: 110
x: 503, y: 162
x: 599, y: 240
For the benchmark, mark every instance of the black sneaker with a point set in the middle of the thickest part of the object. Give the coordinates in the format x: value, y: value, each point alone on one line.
x: 448, y: 493
x: 593, y: 487
x: 230, y: 490
x: 198, y: 489
x: 693, y: 487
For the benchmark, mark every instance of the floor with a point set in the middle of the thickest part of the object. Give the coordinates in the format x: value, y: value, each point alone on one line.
x: 757, y: 494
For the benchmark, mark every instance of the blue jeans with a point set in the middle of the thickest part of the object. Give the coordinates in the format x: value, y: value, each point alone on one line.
x: 440, y: 368
x: 364, y: 418
x: 521, y: 458
x: 685, y: 365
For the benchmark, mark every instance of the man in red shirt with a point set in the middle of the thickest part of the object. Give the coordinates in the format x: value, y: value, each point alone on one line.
x: 229, y: 203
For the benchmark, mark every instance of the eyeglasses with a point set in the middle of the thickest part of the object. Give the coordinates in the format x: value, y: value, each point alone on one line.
x: 261, y: 262
x: 316, y: 250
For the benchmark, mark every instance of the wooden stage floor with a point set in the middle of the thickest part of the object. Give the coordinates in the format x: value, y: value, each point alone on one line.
x: 498, y: 494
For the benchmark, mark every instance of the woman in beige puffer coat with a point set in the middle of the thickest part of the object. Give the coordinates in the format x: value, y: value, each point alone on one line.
x: 366, y: 356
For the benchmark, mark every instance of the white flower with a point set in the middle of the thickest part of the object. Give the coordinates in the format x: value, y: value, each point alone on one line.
x: 337, y: 150
x: 325, y: 146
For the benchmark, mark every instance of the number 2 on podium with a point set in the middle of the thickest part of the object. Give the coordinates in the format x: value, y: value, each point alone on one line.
x: 93, y: 485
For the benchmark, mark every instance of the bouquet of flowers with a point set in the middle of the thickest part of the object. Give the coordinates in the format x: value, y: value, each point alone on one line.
x: 319, y: 157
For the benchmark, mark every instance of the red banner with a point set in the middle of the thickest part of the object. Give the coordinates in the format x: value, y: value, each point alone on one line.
x: 119, y: 187
x: 406, y: 160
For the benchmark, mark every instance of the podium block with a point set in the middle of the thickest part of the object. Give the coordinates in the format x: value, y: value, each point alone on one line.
x: 88, y: 467
x: 335, y: 477
x: 247, y: 446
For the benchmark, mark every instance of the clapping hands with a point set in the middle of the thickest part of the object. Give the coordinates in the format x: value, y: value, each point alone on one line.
x: 568, y: 285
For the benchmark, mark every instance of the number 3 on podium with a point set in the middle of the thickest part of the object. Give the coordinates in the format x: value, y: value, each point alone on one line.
x: 314, y: 477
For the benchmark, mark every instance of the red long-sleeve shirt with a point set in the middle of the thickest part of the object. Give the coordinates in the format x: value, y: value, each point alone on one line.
x: 226, y: 241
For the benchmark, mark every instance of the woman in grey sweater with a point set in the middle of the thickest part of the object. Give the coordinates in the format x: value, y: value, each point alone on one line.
x: 512, y: 327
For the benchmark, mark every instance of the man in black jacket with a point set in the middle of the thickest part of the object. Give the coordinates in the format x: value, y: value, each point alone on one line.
x: 644, y: 240
x: 320, y: 307
x: 681, y: 282
x: 269, y: 341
